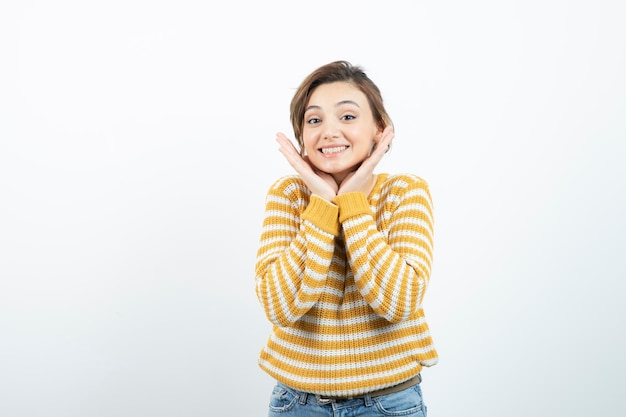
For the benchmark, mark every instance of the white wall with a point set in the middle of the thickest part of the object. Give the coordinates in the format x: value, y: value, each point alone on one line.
x: 137, y: 144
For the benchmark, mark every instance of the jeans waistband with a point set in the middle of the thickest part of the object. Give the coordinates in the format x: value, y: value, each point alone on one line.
x: 324, y: 399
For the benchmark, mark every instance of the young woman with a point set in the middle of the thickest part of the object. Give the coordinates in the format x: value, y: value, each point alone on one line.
x: 344, y: 260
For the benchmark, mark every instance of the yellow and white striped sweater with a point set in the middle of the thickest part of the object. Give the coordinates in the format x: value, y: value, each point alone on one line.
x: 343, y: 285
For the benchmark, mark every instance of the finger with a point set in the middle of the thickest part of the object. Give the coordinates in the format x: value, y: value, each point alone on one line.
x: 286, y: 146
x: 388, y: 135
x: 385, y: 143
x: 388, y: 132
x: 284, y: 140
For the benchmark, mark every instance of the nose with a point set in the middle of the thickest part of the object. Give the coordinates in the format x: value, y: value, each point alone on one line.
x: 331, y: 130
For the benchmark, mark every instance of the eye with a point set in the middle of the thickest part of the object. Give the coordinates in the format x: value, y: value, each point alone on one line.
x: 313, y: 120
x: 348, y: 117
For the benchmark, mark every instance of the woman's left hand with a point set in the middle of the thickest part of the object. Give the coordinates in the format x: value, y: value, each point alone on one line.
x: 361, y: 179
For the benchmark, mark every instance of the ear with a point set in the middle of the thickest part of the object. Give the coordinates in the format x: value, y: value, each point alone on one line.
x: 377, y: 136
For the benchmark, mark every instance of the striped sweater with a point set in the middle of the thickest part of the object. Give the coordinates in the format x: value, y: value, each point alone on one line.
x: 343, y: 285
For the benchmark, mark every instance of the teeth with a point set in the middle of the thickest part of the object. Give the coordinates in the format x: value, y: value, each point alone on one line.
x: 336, y: 149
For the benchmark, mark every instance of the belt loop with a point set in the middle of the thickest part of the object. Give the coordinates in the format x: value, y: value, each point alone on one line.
x: 303, y: 396
x: 368, y: 400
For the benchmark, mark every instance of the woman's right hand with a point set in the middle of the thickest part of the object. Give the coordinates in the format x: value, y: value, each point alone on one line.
x: 320, y: 183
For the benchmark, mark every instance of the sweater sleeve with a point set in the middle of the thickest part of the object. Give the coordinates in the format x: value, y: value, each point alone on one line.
x: 391, y: 269
x: 295, y: 251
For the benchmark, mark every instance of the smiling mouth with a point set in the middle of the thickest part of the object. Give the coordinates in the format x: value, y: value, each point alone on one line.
x: 335, y: 149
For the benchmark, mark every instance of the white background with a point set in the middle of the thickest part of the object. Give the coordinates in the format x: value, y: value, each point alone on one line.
x: 137, y: 145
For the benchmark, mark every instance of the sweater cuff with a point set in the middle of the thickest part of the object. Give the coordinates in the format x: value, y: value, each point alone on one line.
x: 352, y: 204
x: 322, y: 214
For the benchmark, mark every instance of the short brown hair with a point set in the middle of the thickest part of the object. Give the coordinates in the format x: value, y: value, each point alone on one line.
x: 330, y: 73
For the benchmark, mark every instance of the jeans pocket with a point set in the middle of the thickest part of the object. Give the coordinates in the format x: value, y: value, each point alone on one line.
x: 282, y: 400
x: 407, y: 402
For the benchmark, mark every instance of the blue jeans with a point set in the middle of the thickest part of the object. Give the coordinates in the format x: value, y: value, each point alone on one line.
x: 288, y: 402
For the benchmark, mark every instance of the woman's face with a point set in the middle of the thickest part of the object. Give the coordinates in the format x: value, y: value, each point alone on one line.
x: 339, y: 129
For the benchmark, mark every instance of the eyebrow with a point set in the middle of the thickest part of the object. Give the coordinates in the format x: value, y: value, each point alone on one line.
x: 342, y: 102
